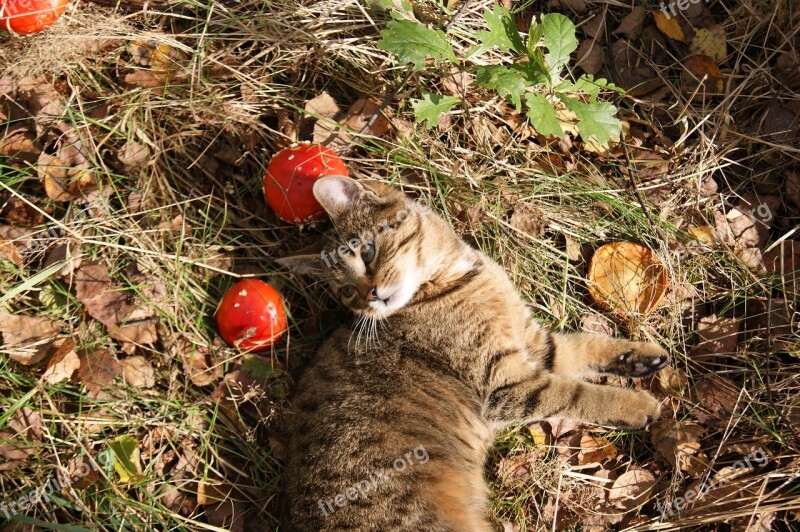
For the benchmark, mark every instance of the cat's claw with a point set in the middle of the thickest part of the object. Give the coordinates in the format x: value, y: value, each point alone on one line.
x: 640, y: 361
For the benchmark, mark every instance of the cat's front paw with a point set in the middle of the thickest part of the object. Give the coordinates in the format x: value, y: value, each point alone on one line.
x: 637, y: 359
x: 640, y: 409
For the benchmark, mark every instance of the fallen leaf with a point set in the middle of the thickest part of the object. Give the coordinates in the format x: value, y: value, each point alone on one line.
x: 774, y: 322
x: 20, y: 147
x: 594, y: 449
x: 631, y: 25
x: 538, y: 435
x: 359, y: 114
x: 104, y: 301
x: 134, y: 155
x: 679, y: 445
x: 595, y: 323
x: 703, y: 234
x: 10, y: 252
x: 457, y: 82
x: 19, y: 440
x: 630, y: 71
x: 97, y: 371
x: 21, y: 213
x: 700, y: 75
x: 627, y: 277
x: 127, y: 463
x: 63, y: 363
x: 29, y: 340
x: 323, y: 105
x: 199, y: 362
x: 632, y: 489
x: 717, y: 336
x: 711, y: 42
x: 590, y: 56
x: 669, y: 26
x: 137, y: 372
x: 780, y: 123
x: 82, y: 472
x: 515, y: 470
x: 718, y: 397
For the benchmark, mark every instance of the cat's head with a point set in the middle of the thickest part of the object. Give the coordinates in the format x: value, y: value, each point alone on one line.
x: 373, y: 258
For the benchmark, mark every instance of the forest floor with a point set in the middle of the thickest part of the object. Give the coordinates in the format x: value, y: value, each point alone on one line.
x: 135, y: 136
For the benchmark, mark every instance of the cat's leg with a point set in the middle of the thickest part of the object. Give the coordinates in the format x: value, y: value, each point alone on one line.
x: 543, y: 395
x: 581, y: 354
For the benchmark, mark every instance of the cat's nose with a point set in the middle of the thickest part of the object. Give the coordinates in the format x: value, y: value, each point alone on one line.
x: 372, y: 293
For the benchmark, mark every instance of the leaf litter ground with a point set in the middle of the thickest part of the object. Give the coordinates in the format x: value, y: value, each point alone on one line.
x: 134, y: 144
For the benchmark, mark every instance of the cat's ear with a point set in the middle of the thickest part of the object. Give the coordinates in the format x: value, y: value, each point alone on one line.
x: 307, y: 261
x: 338, y: 194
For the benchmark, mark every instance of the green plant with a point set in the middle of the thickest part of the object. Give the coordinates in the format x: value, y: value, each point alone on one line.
x: 534, y: 78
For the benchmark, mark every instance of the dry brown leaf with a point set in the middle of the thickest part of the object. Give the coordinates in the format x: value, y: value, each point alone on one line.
x: 679, y: 445
x: 701, y: 75
x: 21, y: 213
x: 10, y: 252
x: 630, y: 72
x: 590, y: 56
x: 632, y: 489
x: 703, y: 234
x: 323, y: 105
x: 595, y: 27
x: 669, y: 26
x: 360, y: 112
x: 775, y: 321
x: 717, y: 336
x: 631, y: 25
x: 199, y: 361
x: 780, y: 123
x: 134, y: 155
x: 787, y: 69
x: 457, y: 82
x: 103, y: 300
x: 24, y: 429
x: 146, y: 79
x: 28, y: 339
x: 718, y: 396
x: 20, y: 147
x: 97, y: 371
x: 63, y: 363
x: 137, y: 372
x: 594, y: 449
x: 515, y: 470
x: 711, y: 42
x: 627, y: 277
x: 42, y: 99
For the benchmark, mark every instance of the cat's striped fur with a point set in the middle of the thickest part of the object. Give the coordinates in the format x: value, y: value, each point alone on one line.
x: 454, y: 357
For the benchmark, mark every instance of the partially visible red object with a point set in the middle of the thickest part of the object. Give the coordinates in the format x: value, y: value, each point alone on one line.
x: 30, y: 16
x: 251, y: 315
x: 290, y: 177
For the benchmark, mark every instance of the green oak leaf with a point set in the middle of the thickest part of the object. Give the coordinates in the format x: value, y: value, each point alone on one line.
x: 595, y: 119
x: 559, y: 38
x: 431, y: 107
x: 509, y: 83
x: 502, y: 33
x: 542, y: 115
x: 413, y: 42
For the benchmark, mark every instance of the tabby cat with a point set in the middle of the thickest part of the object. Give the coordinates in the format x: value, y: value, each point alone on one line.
x: 390, y: 429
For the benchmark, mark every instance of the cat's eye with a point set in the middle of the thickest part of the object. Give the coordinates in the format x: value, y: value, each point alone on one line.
x: 347, y: 290
x: 368, y: 252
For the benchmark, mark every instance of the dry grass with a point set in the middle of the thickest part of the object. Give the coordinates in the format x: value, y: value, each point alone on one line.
x: 247, y: 69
